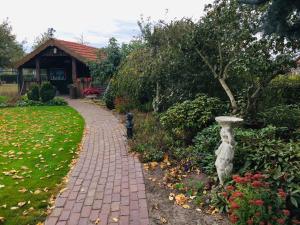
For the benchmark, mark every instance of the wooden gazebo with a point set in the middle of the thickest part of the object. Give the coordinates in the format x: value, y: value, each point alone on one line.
x: 63, y: 63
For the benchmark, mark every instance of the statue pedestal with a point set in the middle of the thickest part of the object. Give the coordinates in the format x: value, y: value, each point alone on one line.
x: 225, y: 152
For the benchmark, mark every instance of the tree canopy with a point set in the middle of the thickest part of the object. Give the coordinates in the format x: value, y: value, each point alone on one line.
x: 282, y: 17
x: 10, y: 49
x: 43, y: 38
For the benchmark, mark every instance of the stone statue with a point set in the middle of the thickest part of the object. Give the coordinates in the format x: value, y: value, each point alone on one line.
x: 225, y: 152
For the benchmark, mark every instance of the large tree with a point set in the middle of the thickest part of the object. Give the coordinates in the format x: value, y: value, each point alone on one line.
x: 282, y: 17
x: 10, y: 49
x: 233, y: 49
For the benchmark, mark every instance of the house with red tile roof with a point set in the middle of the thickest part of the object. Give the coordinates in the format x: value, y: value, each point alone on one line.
x: 62, y: 63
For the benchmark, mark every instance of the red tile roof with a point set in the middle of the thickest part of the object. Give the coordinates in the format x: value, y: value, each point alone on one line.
x: 90, y: 53
x: 81, y: 52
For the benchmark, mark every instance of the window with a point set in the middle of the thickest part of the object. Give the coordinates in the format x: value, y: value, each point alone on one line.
x: 57, y: 74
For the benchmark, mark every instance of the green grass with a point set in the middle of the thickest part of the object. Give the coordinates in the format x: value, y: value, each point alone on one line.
x: 37, y: 145
x: 3, y: 99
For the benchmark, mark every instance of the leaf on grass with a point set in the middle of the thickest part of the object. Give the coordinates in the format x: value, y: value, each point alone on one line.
x: 2, y: 219
x: 14, y: 208
x: 21, y: 204
x: 22, y: 190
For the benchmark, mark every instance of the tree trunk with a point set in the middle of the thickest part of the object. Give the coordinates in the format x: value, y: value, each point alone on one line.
x: 230, y: 95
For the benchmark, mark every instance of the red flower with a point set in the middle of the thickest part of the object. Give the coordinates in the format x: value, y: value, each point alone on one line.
x: 258, y: 176
x: 91, y: 91
x: 286, y: 212
x: 281, y: 194
x: 224, y: 194
x: 233, y: 218
x: 257, y: 202
x: 237, y: 194
x: 240, y: 180
x: 234, y: 205
x: 257, y: 184
x: 281, y: 221
x: 250, y: 221
x: 229, y: 188
x: 248, y: 174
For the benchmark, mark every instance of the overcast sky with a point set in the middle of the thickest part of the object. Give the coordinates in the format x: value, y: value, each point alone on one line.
x: 96, y: 20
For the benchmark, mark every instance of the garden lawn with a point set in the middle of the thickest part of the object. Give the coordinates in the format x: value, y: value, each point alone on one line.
x: 37, y: 145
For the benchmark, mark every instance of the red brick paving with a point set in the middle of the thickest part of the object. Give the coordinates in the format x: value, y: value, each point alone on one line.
x: 107, y: 183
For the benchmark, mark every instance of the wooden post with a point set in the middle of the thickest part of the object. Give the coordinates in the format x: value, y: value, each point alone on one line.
x: 37, y: 71
x: 74, y: 71
x: 20, y: 80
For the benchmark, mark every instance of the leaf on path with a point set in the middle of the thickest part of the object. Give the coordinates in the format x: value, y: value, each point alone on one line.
x: 97, y: 221
x: 115, y: 219
x: 181, y: 199
x: 171, y: 196
x: 185, y: 206
x: 163, y: 220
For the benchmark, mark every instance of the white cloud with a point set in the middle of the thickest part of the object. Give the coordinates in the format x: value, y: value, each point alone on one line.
x: 97, y: 20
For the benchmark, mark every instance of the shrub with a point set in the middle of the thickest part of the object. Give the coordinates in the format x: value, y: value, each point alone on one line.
x: 280, y: 160
x: 283, y: 90
x: 34, y: 93
x: 208, y: 140
x: 47, y: 92
x: 184, y: 120
x: 57, y: 101
x: 250, y: 200
x: 109, y: 96
x: 150, y: 139
x: 282, y: 116
x: 122, y: 104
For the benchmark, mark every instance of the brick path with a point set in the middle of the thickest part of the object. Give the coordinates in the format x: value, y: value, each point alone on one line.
x: 107, y: 184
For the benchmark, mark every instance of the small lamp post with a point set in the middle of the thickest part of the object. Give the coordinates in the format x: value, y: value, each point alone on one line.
x: 129, y: 125
x: 225, y: 152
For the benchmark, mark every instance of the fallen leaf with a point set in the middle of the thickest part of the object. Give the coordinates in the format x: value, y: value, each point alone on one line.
x: 2, y: 219
x: 21, y: 204
x: 163, y: 220
x: 115, y: 219
x: 181, y: 199
x: 185, y: 206
x: 97, y: 221
x: 171, y: 196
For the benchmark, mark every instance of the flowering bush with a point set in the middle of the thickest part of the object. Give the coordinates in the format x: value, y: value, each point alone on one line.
x: 251, y: 201
x: 91, y: 91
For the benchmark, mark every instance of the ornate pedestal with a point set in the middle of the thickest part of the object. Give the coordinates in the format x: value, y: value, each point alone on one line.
x: 225, y: 152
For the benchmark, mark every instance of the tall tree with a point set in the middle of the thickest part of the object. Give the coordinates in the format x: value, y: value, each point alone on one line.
x: 43, y: 38
x: 232, y: 48
x: 10, y: 49
x: 282, y: 17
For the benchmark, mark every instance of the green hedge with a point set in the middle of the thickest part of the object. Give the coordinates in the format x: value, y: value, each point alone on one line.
x: 282, y: 90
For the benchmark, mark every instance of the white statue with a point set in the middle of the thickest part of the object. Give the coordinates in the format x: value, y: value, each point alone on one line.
x: 225, y: 152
